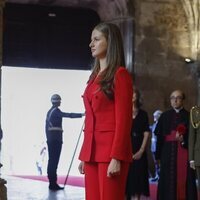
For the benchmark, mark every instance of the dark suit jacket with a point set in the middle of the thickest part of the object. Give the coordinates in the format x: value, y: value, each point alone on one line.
x: 108, y: 122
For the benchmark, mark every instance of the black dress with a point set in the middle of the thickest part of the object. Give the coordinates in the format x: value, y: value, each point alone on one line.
x: 137, y: 181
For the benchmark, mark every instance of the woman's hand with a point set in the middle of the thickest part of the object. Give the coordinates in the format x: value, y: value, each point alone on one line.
x: 179, y: 137
x: 192, y: 164
x: 81, y: 167
x: 138, y: 154
x: 114, y: 168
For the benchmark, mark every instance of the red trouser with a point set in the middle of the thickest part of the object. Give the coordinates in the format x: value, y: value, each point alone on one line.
x: 100, y: 187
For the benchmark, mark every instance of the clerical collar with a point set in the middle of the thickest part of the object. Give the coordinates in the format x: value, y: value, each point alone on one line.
x: 178, y: 110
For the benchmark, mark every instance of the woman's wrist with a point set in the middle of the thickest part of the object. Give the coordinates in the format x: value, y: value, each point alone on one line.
x: 142, y: 149
x: 114, y: 159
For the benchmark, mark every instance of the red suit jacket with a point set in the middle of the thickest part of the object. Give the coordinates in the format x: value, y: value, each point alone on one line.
x: 108, y: 122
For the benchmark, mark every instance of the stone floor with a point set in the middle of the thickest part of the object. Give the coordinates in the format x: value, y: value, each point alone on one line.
x: 25, y: 189
x: 28, y: 189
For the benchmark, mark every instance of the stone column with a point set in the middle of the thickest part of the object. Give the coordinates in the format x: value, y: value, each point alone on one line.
x: 127, y: 29
x: 2, y: 3
x: 126, y: 25
x: 3, y: 189
x: 198, y: 78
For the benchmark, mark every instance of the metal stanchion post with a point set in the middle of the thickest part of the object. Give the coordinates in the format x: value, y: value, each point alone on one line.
x: 73, y: 155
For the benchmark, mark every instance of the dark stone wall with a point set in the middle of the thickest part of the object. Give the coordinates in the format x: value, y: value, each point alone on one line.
x: 47, y: 37
x: 162, y: 42
x: 1, y: 28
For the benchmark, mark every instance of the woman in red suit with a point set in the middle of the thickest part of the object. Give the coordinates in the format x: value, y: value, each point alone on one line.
x: 106, y: 150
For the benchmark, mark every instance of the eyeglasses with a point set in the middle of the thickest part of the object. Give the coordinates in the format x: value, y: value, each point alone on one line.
x: 176, y: 98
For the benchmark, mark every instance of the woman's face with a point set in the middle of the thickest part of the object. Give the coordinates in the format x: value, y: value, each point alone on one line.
x: 98, y: 44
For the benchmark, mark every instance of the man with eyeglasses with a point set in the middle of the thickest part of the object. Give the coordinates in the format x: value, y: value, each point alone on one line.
x: 177, y: 179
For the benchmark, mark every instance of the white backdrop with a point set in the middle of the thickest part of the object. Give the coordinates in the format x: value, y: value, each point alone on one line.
x: 25, y: 101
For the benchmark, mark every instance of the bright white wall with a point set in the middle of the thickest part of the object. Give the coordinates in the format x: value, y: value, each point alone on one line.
x: 25, y: 101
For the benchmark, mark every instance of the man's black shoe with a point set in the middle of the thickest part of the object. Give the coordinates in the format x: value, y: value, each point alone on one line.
x: 55, y: 187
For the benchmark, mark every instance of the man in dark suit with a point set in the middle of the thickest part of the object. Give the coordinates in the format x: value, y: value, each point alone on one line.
x: 177, y: 179
x: 194, y: 142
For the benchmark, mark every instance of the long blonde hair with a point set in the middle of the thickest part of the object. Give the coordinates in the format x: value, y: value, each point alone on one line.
x: 114, y: 57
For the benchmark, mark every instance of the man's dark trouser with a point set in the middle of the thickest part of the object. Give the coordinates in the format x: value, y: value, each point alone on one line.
x: 198, y: 178
x: 54, y: 150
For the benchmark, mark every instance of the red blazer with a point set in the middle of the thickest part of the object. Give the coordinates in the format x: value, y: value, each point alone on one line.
x: 108, y: 122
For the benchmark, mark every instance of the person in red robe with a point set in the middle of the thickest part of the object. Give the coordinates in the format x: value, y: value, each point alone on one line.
x: 177, y: 179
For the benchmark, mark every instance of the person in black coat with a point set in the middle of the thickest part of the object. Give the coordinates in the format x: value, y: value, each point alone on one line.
x: 177, y: 179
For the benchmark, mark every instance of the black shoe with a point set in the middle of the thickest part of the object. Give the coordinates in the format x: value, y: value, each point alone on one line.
x: 55, y: 187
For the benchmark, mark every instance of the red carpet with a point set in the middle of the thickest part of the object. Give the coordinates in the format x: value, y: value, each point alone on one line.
x: 79, y: 181
x: 72, y: 180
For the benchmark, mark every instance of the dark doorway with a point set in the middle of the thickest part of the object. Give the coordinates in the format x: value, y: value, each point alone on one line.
x: 47, y: 37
